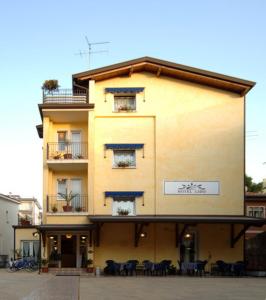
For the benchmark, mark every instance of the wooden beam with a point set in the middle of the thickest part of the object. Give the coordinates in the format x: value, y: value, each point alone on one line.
x: 131, y: 70
x: 98, y: 234
x: 90, y: 238
x: 235, y: 239
x: 138, y: 230
x: 159, y: 72
x: 176, y: 235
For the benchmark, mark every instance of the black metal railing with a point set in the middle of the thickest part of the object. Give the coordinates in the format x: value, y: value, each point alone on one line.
x: 67, y: 150
x: 57, y: 204
x: 65, y: 96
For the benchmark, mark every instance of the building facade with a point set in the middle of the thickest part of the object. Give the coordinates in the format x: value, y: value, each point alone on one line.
x: 30, y: 211
x: 255, y: 237
x: 8, y: 218
x: 144, y: 160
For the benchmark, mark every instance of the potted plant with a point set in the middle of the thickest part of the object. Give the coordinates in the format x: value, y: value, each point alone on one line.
x: 78, y: 209
x: 123, y: 164
x: 54, y: 209
x: 68, y: 197
x: 68, y: 154
x: 123, y: 212
x: 44, y: 265
x: 90, y: 267
x: 54, y: 259
x: 25, y: 221
x: 125, y: 108
x: 50, y: 85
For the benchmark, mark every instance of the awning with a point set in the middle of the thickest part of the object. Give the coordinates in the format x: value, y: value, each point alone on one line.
x: 124, y: 194
x: 125, y: 90
x: 65, y: 227
x: 178, y: 219
x: 124, y: 146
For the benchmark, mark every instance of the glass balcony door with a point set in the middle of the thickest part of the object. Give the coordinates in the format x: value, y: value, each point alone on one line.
x: 76, y: 143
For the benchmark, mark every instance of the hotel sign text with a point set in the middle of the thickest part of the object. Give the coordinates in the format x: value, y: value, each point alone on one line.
x: 191, y: 187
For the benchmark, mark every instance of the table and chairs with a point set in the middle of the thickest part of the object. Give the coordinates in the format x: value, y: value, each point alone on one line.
x: 132, y: 267
x: 164, y: 267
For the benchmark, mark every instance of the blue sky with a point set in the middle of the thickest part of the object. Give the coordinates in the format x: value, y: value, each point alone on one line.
x: 39, y: 40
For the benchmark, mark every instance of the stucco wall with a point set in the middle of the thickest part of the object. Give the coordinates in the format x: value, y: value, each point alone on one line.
x: 8, y: 218
x: 117, y: 243
x: 191, y: 132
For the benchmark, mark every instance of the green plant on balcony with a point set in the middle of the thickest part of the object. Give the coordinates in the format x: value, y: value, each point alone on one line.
x: 123, y: 164
x: 78, y: 209
x: 50, y: 85
x: 25, y: 220
x: 122, y: 212
x: 54, y: 209
x: 68, y: 197
x: 125, y: 108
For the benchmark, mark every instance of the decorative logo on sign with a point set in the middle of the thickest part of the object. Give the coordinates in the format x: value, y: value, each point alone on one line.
x: 191, y: 188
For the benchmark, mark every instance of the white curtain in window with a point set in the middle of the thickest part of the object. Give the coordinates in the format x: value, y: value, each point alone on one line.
x: 124, y: 204
x: 61, y: 187
x: 125, y: 156
x: 26, y: 249
x: 125, y: 102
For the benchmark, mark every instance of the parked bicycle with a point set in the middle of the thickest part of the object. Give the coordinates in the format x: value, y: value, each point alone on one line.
x: 26, y: 263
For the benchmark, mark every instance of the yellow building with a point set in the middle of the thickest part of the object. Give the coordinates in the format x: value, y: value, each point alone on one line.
x: 144, y: 160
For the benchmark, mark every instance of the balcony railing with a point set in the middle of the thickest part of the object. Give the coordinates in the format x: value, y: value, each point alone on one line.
x: 67, y: 150
x: 56, y: 204
x: 65, y: 96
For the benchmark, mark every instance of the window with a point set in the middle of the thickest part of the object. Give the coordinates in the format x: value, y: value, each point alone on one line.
x: 124, y: 158
x: 61, y: 188
x: 124, y: 103
x: 62, y: 137
x: 123, y: 206
x: 256, y: 211
x: 30, y: 248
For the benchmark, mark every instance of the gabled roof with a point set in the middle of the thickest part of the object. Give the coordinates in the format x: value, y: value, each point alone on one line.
x: 166, y: 68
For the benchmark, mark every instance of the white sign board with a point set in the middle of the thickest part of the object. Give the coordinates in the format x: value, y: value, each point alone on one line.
x: 191, y: 187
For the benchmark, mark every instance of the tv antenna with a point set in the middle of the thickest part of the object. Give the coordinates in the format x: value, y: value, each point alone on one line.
x: 90, y: 51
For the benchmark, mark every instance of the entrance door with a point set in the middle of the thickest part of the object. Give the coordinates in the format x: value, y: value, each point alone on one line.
x: 76, y: 190
x: 68, y: 251
x: 76, y: 143
x: 188, y: 247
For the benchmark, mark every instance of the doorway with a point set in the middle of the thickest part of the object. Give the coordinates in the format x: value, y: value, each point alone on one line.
x: 68, y: 251
x: 188, y: 247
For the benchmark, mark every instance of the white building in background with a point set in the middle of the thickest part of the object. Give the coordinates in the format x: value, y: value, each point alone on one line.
x: 9, y: 208
x: 30, y: 209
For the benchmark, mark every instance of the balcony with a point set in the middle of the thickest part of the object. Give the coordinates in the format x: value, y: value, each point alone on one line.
x: 67, y: 156
x: 55, y: 204
x: 65, y: 96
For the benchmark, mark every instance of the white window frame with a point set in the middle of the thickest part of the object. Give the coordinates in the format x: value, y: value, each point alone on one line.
x: 126, y: 199
x: 250, y: 208
x: 124, y: 95
x: 115, y: 166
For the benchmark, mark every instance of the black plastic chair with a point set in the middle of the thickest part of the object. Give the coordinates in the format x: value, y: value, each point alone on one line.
x: 239, y: 268
x: 112, y: 268
x: 130, y: 267
x: 147, y: 270
x: 223, y: 268
x: 201, y: 264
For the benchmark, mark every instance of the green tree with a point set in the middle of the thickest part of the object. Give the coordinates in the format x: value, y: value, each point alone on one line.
x: 252, y: 186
